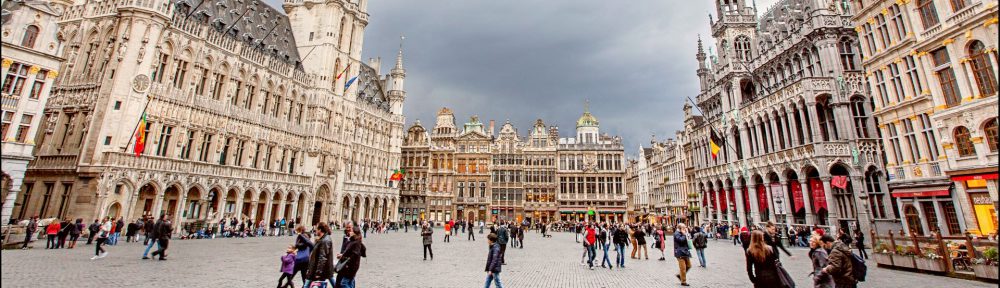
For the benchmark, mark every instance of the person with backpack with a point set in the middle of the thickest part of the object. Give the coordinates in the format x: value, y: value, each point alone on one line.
x: 93, y: 229
x: 841, y: 263
x: 700, y: 243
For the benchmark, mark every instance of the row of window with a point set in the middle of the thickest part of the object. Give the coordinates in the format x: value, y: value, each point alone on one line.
x: 17, y: 75
x: 909, y: 136
x: 590, y: 185
x: 23, y: 127
x: 603, y: 162
x: 233, y: 151
x: 964, y: 143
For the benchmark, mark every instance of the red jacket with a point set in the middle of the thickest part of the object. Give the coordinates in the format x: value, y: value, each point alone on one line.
x: 591, y: 236
x: 53, y: 228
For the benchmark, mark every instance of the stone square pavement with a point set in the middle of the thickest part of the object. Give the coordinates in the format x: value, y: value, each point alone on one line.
x: 395, y: 260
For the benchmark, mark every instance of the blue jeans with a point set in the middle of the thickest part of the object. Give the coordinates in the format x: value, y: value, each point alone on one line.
x: 149, y: 246
x: 606, y: 259
x: 701, y: 257
x: 621, y: 255
x: 591, y: 253
x: 495, y: 277
x: 346, y: 283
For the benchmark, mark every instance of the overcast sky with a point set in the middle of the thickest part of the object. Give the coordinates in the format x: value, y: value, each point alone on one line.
x: 522, y: 60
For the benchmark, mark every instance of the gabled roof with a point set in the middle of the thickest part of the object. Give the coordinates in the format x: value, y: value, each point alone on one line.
x: 370, y: 88
x: 251, y: 21
x: 10, y: 6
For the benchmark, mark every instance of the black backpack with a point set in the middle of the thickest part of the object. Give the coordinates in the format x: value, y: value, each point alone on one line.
x: 859, y: 269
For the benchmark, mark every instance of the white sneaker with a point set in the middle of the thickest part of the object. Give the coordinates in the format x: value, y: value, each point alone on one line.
x: 94, y: 258
x: 105, y: 254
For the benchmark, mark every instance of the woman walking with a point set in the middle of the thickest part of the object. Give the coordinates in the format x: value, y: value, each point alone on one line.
x: 303, y: 247
x: 660, y: 232
x: 819, y: 256
x: 352, y: 259
x: 102, y: 237
x: 640, y: 243
x: 74, y: 232
x: 762, y: 262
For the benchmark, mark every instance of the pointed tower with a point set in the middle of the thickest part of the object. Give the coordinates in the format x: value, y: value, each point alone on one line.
x: 397, y: 76
x: 703, y: 73
x: 329, y: 35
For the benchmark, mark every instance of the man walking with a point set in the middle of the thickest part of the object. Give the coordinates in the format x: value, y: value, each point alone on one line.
x: 31, y: 228
x: 493, y: 263
x: 840, y: 264
x: 426, y: 232
x: 503, y: 235
x: 472, y: 236
x: 163, y: 236
x: 700, y: 243
x: 620, y: 239
x: 682, y: 252
x: 93, y: 229
x: 591, y: 241
x: 859, y: 240
x: 152, y: 233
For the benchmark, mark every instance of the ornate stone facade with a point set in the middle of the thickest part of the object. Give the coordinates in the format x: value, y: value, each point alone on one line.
x: 788, y: 103
x: 32, y: 49
x: 261, y: 116
x: 932, y: 66
x: 482, y: 175
x: 661, y: 187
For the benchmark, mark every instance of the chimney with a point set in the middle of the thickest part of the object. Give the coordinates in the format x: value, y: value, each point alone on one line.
x: 492, y: 125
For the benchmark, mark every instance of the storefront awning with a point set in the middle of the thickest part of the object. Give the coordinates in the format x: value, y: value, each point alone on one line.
x: 921, y: 192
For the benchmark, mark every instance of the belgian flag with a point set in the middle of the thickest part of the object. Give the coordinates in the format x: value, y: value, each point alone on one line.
x: 714, y: 144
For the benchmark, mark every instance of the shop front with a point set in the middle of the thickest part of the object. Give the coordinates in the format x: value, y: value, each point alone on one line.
x: 981, y: 192
x: 925, y: 209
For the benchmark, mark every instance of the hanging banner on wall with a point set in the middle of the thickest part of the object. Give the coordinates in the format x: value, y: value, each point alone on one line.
x: 779, y: 198
x: 818, y: 195
x: 722, y: 199
x: 732, y: 197
x: 797, y: 196
x: 746, y: 199
x: 762, y: 200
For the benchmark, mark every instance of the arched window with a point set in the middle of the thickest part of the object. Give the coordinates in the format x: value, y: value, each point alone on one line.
x: 817, y: 64
x: 982, y: 69
x: 990, y: 131
x: 860, y: 114
x: 963, y: 142
x: 742, y: 45
x: 827, y: 122
x: 30, y: 35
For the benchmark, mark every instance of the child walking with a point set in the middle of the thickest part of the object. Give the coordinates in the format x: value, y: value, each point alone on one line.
x: 287, y: 267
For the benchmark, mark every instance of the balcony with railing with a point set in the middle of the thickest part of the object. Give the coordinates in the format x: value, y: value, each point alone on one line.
x: 10, y: 101
x: 156, y: 163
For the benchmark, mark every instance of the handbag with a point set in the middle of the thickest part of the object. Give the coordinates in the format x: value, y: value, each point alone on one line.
x: 783, y: 276
x: 302, y: 256
x: 341, y: 264
x: 318, y: 284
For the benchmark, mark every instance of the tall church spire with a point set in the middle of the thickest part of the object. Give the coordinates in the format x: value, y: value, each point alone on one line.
x: 397, y: 76
x: 399, y: 56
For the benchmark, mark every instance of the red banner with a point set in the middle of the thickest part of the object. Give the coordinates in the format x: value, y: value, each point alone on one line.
x: 797, y: 200
x: 722, y: 200
x: 746, y: 199
x: 704, y: 199
x: 762, y: 198
x: 818, y: 195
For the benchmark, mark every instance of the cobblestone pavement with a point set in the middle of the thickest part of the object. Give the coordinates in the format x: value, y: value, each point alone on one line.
x: 395, y: 260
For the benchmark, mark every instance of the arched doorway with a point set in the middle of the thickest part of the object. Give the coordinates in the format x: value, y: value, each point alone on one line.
x: 245, y: 211
x: 913, y: 220
x: 275, y: 207
x: 229, y: 210
x: 144, y: 202
x: 843, y: 197
x: 345, y: 209
x: 817, y: 193
x: 301, y: 208
x: 115, y: 210
x: 171, y: 201
x: 798, y: 197
x: 193, y: 210
x: 261, y: 206
x: 288, y: 212
x: 213, y: 203
x: 321, y: 197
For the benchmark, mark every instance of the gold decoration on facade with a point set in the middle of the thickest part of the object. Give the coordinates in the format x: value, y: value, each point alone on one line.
x: 917, y: 171
x: 945, y: 42
x: 977, y: 140
x: 7, y: 62
x: 34, y: 70
x: 52, y: 74
x: 885, y: 11
x: 947, y: 146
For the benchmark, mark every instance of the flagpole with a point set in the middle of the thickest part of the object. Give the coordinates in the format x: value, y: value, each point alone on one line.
x: 148, y: 99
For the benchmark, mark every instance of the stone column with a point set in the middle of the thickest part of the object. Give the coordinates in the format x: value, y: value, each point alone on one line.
x: 718, y: 204
x: 179, y: 212
x: 157, y: 206
x: 834, y: 213
x: 238, y: 211
x: 253, y: 210
x: 807, y: 201
x: 754, y: 202
x: 202, y: 211
x: 814, y: 122
x: 740, y: 202
x: 281, y: 209
x: 793, y: 133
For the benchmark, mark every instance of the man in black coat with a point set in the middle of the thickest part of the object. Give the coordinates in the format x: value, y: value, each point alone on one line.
x: 493, y: 265
x: 321, y: 259
x: 93, y: 229
x: 163, y: 232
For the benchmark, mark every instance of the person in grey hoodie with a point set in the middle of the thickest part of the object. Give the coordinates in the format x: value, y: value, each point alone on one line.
x: 426, y: 233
